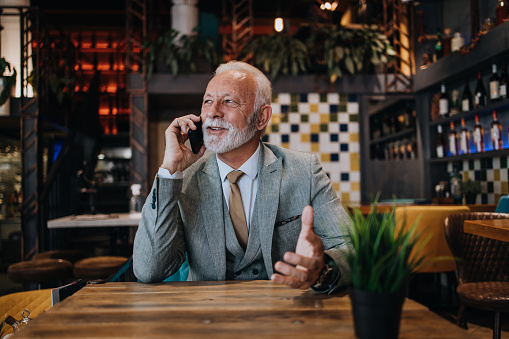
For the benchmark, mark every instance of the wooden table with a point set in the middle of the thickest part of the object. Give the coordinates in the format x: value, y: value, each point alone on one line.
x: 387, y: 207
x: 236, y: 309
x: 497, y: 229
x: 97, y: 220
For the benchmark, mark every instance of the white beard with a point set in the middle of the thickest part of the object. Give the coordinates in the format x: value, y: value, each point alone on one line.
x: 234, y: 137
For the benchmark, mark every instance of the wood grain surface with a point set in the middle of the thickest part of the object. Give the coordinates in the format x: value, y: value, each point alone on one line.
x: 497, y: 229
x: 216, y: 310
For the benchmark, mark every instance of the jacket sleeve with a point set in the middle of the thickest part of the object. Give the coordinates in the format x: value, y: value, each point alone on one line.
x: 330, y: 218
x: 159, y: 246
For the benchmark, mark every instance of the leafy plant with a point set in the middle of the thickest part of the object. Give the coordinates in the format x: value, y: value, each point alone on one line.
x: 9, y: 80
x: 280, y: 53
x: 470, y: 187
x: 352, y: 50
x: 175, y: 51
x: 380, y: 255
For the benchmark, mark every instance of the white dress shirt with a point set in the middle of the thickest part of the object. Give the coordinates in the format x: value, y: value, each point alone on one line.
x: 248, y: 183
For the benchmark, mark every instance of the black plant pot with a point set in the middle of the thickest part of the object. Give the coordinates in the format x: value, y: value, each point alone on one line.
x: 376, y: 314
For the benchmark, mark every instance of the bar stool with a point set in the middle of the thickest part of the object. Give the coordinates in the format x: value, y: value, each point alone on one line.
x: 98, y: 267
x: 70, y: 255
x: 48, y: 272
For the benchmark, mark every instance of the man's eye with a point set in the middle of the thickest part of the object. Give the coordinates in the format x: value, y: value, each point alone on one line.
x: 207, y: 102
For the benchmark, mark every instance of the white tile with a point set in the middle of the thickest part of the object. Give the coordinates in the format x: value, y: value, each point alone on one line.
x: 304, y: 129
x: 497, y: 187
x: 343, y: 118
x: 353, y: 127
x: 355, y: 176
x: 353, y: 147
x: 276, y: 109
x: 496, y: 163
x: 284, y: 128
x: 323, y: 108
x: 333, y: 98
x: 345, y: 186
x: 314, y: 118
x: 355, y: 197
x: 313, y: 98
x: 352, y: 107
x: 503, y: 175
x: 303, y: 107
x: 284, y: 98
x: 333, y: 127
x: 294, y: 118
x: 344, y: 137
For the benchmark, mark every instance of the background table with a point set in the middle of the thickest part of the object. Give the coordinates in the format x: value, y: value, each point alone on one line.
x: 497, y: 229
x: 217, y: 309
x: 97, y: 220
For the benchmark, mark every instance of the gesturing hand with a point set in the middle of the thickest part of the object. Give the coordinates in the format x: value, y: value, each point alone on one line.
x: 177, y: 156
x: 307, y: 259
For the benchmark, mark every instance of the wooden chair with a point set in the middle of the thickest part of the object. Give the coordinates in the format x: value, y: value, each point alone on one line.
x: 431, y: 223
x: 483, y: 268
x: 101, y: 267
x: 43, y: 272
x: 70, y: 255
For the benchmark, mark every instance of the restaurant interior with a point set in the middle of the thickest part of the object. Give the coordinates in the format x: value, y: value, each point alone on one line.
x: 404, y: 103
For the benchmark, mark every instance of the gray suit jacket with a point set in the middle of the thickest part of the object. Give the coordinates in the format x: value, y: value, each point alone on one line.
x: 186, y: 215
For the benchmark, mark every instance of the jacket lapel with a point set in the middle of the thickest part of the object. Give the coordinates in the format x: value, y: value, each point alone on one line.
x: 267, y: 202
x: 211, y: 200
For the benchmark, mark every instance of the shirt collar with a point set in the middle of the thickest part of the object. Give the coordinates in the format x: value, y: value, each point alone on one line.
x: 250, y: 167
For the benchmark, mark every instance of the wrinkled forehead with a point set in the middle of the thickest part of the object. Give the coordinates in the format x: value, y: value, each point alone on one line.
x: 234, y: 79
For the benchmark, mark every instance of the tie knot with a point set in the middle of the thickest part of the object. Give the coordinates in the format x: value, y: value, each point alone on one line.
x: 233, y: 176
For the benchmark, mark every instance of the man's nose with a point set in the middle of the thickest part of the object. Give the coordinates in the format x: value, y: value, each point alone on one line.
x: 213, y: 111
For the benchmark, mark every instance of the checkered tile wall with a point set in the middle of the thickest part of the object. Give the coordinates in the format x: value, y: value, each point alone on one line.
x: 491, y: 172
x: 325, y: 124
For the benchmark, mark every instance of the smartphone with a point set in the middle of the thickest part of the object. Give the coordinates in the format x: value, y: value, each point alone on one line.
x: 196, y: 137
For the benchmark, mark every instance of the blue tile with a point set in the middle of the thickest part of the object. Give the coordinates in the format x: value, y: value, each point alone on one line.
x: 489, y: 163
x: 352, y: 97
x: 265, y: 138
x: 334, y: 157
x: 343, y: 127
x: 334, y: 137
x: 333, y: 108
x: 490, y: 187
x: 303, y: 97
x: 314, y: 137
x: 477, y: 175
x: 284, y: 108
x: 294, y: 128
x: 484, y: 198
x: 343, y: 147
x: 285, y: 138
x: 345, y: 177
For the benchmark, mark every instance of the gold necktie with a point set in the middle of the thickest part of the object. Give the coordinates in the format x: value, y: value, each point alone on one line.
x: 237, y: 208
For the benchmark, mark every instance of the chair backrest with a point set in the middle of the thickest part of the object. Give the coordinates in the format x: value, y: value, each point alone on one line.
x: 503, y: 205
x: 60, y: 293
x: 431, y: 223
x: 477, y: 258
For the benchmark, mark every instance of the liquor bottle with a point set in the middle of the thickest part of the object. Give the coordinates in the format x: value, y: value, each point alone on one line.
x: 480, y: 93
x: 453, y: 141
x: 466, y: 99
x: 440, y: 143
x: 496, y: 132
x: 464, y: 138
x: 478, y: 134
x: 494, y: 84
x: 504, y: 80
x: 502, y: 11
x: 443, y: 102
x: 439, y: 51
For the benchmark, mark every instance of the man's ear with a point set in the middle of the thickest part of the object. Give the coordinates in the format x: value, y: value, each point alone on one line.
x: 264, y: 117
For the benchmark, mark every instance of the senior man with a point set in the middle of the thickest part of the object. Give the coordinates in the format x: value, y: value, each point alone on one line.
x: 243, y: 209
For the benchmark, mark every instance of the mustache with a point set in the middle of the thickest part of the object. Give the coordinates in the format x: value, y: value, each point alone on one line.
x: 217, y: 122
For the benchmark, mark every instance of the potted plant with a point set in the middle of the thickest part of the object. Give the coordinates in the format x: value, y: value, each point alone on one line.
x: 470, y: 189
x: 7, y: 82
x: 381, y: 264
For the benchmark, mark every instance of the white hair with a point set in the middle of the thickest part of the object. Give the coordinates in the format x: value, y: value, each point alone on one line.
x: 263, y: 86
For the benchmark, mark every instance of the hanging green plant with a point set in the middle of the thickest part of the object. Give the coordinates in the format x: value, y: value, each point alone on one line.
x: 179, y: 52
x: 350, y: 51
x: 280, y: 54
x: 8, y: 80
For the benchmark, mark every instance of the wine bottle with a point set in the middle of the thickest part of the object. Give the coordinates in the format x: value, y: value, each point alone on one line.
x: 443, y: 102
x: 478, y: 134
x: 496, y: 132
x: 494, y: 84
x: 453, y: 141
x: 504, y: 80
x: 464, y: 138
x: 440, y: 143
x: 439, y: 51
x: 466, y: 99
x: 480, y: 93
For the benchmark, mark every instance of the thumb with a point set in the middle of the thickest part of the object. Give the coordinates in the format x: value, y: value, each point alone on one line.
x: 307, y: 219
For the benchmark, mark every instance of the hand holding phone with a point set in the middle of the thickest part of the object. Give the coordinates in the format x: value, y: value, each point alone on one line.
x: 196, y: 137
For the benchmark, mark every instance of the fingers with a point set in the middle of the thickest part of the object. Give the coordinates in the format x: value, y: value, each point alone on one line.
x: 185, y: 122
x: 307, y: 218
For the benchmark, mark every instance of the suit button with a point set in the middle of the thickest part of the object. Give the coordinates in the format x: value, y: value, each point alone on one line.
x: 238, y: 273
x: 255, y: 271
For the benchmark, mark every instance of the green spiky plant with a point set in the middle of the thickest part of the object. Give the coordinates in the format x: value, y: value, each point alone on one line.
x: 379, y: 254
x: 9, y: 80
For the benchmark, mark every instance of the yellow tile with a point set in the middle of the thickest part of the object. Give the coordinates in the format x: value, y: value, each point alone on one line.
x: 304, y: 138
x: 313, y: 108
x: 355, y: 186
x: 354, y: 137
x: 354, y: 162
x: 496, y: 175
x: 325, y: 157
x: 285, y: 145
x: 315, y: 128
x: 315, y: 147
x: 505, y: 187
x: 275, y: 119
x: 324, y: 118
x: 335, y: 185
x: 345, y: 197
x: 497, y: 197
x: 465, y: 176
